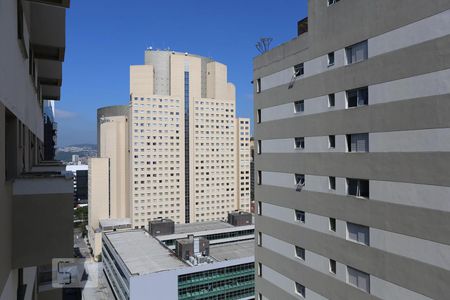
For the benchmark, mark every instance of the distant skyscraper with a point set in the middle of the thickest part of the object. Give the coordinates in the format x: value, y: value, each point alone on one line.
x: 353, y: 154
x: 186, y: 154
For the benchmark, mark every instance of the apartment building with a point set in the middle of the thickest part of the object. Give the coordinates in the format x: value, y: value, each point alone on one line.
x: 36, y: 212
x: 353, y: 151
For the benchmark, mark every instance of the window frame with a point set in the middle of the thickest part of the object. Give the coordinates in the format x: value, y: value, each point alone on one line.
x: 332, y: 225
x: 302, y: 255
x: 331, y: 62
x: 299, y: 70
x: 332, y: 183
x: 302, y: 214
x: 258, y: 85
x: 301, y: 143
x: 332, y: 141
x: 357, y: 240
x: 359, y: 274
x: 301, y: 104
x: 358, y: 188
x: 300, y: 289
x: 332, y: 266
x: 331, y: 100
x: 350, y: 52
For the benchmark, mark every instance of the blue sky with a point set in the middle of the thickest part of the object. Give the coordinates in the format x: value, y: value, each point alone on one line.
x: 105, y: 37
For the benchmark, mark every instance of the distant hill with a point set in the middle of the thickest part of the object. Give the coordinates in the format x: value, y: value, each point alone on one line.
x: 84, y: 151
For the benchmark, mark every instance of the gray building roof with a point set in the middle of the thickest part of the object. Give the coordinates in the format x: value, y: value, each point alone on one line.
x: 143, y: 254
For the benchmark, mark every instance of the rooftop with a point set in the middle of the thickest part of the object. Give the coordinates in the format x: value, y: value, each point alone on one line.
x: 141, y: 253
x: 201, y: 226
x: 115, y: 223
x: 234, y: 250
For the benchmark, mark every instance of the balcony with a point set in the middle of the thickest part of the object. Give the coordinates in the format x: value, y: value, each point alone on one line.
x: 42, y: 216
x: 48, y: 24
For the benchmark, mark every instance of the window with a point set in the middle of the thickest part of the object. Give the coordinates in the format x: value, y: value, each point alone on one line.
x: 299, y: 182
x: 259, y: 269
x: 358, y: 142
x: 259, y: 239
x: 299, y: 106
x: 300, y: 252
x: 331, y: 141
x: 358, y: 233
x: 356, y: 53
x: 332, y: 266
x: 299, y: 70
x: 300, y: 216
x: 358, y: 187
x: 332, y: 183
x: 259, y: 208
x: 358, y: 279
x: 259, y: 178
x: 258, y: 85
x: 331, y: 2
x: 330, y: 59
x: 299, y: 143
x: 332, y: 224
x: 331, y: 100
x: 258, y: 116
x: 259, y: 147
x: 300, y: 289
x: 357, y: 97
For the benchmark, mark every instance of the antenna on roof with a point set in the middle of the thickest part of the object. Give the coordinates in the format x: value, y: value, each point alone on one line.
x: 263, y: 45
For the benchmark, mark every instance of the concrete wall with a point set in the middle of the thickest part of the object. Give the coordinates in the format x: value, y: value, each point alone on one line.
x: 141, y: 80
x: 407, y: 120
x: 17, y: 93
x: 6, y: 211
x: 99, y: 187
x: 113, y: 133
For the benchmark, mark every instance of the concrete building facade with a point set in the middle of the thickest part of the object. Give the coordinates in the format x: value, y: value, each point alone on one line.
x: 352, y: 154
x: 36, y: 212
x: 185, y: 161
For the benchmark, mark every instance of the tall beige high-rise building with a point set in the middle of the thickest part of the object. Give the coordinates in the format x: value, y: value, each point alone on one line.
x: 186, y: 144
x: 187, y: 154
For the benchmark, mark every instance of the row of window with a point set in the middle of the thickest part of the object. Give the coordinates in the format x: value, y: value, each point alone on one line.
x: 354, y: 98
x: 354, y: 187
x: 358, y: 142
x: 353, y: 54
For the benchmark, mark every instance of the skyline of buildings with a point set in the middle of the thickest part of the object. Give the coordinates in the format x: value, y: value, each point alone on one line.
x: 342, y: 193
x: 352, y: 139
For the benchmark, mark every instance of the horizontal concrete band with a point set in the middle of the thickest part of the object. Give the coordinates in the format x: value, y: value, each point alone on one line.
x: 431, y: 168
x: 407, y: 62
x: 416, y: 114
x: 325, y: 285
x: 372, y: 213
x: 335, y: 29
x: 416, y: 276
x: 271, y: 291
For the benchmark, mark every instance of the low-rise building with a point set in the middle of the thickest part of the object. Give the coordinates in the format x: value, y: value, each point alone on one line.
x: 196, y: 261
